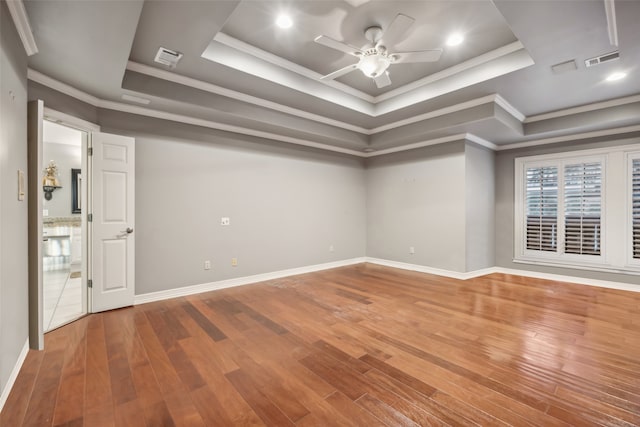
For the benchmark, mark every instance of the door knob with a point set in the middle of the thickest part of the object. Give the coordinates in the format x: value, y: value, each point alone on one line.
x: 129, y: 230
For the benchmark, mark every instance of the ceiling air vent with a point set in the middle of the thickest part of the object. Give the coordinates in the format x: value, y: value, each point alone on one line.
x: 602, y: 58
x: 563, y: 67
x: 168, y: 57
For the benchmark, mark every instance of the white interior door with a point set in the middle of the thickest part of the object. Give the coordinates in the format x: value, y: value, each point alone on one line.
x: 112, y: 268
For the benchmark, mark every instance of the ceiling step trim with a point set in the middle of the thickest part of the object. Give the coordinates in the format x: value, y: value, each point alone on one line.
x: 71, y: 91
x: 583, y: 109
x: 21, y: 22
x: 218, y: 90
x: 239, y: 96
x: 241, y: 46
x: 571, y: 137
x: 148, y: 112
x: 452, y: 71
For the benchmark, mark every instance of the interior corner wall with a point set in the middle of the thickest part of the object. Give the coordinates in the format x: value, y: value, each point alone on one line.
x: 480, y: 207
x: 14, y: 316
x: 416, y: 199
x: 287, y: 205
x: 505, y: 205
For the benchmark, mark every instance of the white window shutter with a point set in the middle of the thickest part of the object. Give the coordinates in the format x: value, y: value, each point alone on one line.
x: 542, y: 208
x: 635, y: 208
x: 583, y: 208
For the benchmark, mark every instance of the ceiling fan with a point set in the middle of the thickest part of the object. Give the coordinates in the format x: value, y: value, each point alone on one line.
x: 374, y: 57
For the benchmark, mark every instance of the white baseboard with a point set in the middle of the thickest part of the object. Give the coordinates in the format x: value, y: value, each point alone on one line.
x: 431, y: 270
x: 239, y: 281
x: 526, y: 273
x: 570, y: 279
x: 14, y: 374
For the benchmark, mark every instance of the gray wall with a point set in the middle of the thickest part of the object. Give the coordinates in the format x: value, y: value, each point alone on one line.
x: 417, y: 198
x: 505, y: 177
x: 287, y: 205
x: 480, y: 206
x: 13, y: 213
x: 66, y: 157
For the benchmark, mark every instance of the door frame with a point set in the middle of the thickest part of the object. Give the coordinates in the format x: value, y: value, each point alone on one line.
x: 36, y: 194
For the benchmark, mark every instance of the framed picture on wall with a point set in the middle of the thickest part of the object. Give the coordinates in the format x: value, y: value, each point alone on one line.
x: 76, y: 190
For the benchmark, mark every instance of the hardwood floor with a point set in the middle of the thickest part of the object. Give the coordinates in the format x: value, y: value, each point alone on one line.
x: 362, y: 345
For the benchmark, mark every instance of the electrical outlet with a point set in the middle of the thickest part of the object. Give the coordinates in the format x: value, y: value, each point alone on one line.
x: 225, y: 220
x: 412, y: 250
x: 331, y: 248
x: 207, y: 265
x: 234, y: 262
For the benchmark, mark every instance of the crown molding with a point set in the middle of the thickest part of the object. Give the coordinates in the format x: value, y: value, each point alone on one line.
x: 435, y: 113
x: 572, y: 137
x: 21, y: 21
x: 583, y: 108
x: 144, y: 111
x: 241, y: 46
x: 481, y: 141
x: 426, y: 143
x: 148, y: 112
x: 396, y: 94
x: 506, y: 106
x: 451, y: 71
x: 54, y: 84
x: 239, y: 96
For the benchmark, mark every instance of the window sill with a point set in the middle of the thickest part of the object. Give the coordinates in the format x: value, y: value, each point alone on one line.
x: 632, y: 270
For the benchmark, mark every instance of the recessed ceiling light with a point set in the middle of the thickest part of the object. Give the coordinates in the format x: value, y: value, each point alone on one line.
x: 455, y: 39
x: 284, y: 21
x: 616, y: 76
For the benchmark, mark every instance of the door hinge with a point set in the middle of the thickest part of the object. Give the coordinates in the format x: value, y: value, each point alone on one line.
x: 90, y: 283
x: 90, y: 217
x: 90, y: 151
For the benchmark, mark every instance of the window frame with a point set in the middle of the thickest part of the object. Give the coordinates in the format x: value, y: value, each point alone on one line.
x: 616, y: 209
x: 631, y: 262
x: 560, y: 161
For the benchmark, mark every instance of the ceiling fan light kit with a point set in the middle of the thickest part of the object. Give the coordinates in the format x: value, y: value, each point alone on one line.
x: 375, y: 59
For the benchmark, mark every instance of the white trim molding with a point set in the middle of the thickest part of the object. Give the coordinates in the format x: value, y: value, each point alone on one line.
x: 569, y: 279
x: 430, y: 270
x: 21, y: 21
x: 583, y: 108
x: 14, y: 374
x: 612, y: 25
x: 492, y: 270
x: 495, y: 98
x: 247, y: 280
x: 240, y: 281
x: 69, y: 120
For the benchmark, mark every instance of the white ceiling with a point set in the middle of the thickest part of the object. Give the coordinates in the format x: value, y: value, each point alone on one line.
x: 242, y: 73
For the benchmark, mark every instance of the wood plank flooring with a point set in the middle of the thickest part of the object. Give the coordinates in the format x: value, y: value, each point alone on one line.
x: 356, y: 346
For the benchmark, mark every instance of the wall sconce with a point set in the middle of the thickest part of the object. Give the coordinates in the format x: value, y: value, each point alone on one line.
x: 50, y: 181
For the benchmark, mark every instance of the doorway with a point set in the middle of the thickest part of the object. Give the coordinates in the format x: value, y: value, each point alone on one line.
x: 99, y: 256
x: 63, y: 240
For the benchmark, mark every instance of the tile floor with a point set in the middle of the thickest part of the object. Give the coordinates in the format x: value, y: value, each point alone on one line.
x: 62, y: 298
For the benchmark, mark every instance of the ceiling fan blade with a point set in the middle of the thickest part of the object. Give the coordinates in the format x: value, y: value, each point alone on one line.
x: 341, y: 72
x: 335, y: 44
x: 397, y: 28
x: 382, y: 80
x: 431, y: 55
